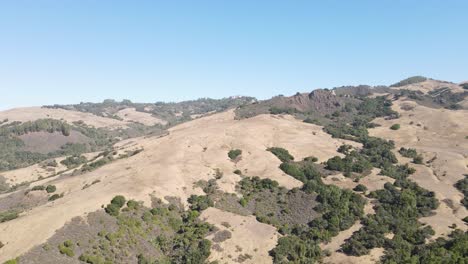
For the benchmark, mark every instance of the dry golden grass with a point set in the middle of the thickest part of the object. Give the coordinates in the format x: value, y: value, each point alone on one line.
x: 248, y: 237
x: 33, y: 113
x: 131, y: 115
x: 169, y: 166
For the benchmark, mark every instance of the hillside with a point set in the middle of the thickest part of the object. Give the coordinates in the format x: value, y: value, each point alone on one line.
x: 353, y: 174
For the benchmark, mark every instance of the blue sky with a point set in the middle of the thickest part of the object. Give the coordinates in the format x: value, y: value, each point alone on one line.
x: 71, y: 51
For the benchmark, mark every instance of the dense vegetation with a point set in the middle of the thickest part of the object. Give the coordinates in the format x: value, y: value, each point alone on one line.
x: 48, y: 125
x: 338, y: 208
x: 13, y: 156
x: 399, y: 204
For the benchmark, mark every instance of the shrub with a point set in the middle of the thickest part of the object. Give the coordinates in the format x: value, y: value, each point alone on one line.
x: 418, y: 160
x: 462, y: 186
x: 112, y: 209
x: 50, y: 188
x: 11, y: 261
x: 118, y: 200
x: 8, y: 215
x: 74, y: 161
x: 360, y: 188
x: 395, y: 127
x: 281, y: 153
x: 311, y: 159
x: 1, y: 244
x: 234, y: 153
x: 243, y: 202
x: 51, y: 163
x: 66, y: 248
x: 238, y: 172
x: 292, y: 249
x: 38, y: 188
x: 91, y: 259
x: 132, y: 204
x: 200, y: 202
x: 408, y: 152
x: 55, y: 197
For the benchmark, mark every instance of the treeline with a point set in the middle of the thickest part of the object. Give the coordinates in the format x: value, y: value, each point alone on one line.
x: 462, y: 186
x: 48, y: 125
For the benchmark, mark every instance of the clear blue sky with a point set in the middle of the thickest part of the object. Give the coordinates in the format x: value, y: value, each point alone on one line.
x: 62, y: 51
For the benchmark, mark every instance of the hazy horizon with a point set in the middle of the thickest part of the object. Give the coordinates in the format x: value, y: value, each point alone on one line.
x: 87, y: 51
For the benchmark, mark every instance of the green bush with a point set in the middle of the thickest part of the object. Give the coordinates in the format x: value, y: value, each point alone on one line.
x: 112, y: 209
x: 118, y: 200
x: 55, y: 197
x: 50, y: 188
x: 238, y: 172
x: 418, y: 160
x: 66, y: 248
x: 395, y: 127
x: 311, y: 159
x: 234, y: 153
x: 360, y: 188
x: 281, y: 153
x: 462, y: 186
x: 408, y: 152
x: 200, y: 202
x: 74, y: 161
x: 8, y: 215
x: 132, y: 204
x: 38, y: 188
x: 292, y: 249
x: 11, y: 261
x: 243, y: 202
x: 92, y: 259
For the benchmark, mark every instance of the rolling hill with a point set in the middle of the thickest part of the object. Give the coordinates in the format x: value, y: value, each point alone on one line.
x: 352, y: 174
